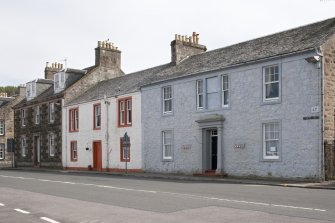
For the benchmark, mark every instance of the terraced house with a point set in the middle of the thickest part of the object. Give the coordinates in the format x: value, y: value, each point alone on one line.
x: 7, y: 124
x: 263, y: 107
x: 38, y: 118
x: 99, y: 118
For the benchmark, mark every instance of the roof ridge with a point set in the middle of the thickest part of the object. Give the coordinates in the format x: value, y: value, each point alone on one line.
x: 268, y: 35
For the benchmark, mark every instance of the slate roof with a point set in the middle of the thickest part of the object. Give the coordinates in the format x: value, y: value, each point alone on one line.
x: 48, y: 94
x: 290, y: 41
x: 121, y: 85
x: 287, y: 42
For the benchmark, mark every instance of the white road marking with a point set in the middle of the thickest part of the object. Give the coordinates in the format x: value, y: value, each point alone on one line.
x: 175, y: 194
x: 1, y: 204
x: 22, y: 211
x: 49, y: 220
x: 128, y: 189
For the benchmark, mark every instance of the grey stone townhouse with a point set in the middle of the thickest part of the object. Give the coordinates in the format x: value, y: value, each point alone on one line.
x: 263, y: 107
x: 38, y: 117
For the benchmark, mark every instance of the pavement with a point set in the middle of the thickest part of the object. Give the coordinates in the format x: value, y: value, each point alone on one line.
x: 328, y: 185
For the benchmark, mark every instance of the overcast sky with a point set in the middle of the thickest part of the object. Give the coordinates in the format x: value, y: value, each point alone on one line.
x: 33, y: 32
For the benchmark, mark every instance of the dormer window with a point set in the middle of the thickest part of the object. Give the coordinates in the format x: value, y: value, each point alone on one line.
x: 31, y: 90
x: 59, y: 80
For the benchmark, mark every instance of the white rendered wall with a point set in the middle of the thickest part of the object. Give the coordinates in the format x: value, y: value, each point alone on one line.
x: 86, y: 135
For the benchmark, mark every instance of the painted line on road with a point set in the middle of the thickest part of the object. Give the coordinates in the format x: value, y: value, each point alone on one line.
x: 176, y: 194
x: 22, y: 211
x: 243, y: 202
x: 49, y: 220
x: 1, y: 204
x: 127, y: 189
x: 84, y: 184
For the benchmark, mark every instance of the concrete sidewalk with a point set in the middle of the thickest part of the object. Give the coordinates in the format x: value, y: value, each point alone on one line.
x: 329, y: 185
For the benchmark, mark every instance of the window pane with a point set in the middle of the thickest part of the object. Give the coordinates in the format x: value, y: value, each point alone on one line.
x: 212, y: 84
x: 213, y: 101
x: 225, y: 82
x: 167, y: 105
x: 201, y: 101
x: 272, y: 90
x: 199, y: 86
x: 225, y: 97
x: 272, y: 148
x: 167, y: 92
x: 168, y: 152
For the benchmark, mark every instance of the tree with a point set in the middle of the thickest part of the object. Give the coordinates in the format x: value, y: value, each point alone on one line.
x: 10, y: 90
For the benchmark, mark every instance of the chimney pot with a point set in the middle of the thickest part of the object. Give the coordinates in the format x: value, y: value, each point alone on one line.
x: 180, y: 50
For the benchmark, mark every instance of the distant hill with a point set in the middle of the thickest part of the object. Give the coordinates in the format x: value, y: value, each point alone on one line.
x: 10, y: 90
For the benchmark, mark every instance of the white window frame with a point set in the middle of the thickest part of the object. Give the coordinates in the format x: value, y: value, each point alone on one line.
x: 200, y: 94
x: 37, y: 115
x: 275, y: 136
x: 270, y: 82
x: 129, y: 111
x: 2, y: 127
x: 225, y: 91
x: 23, y: 146
x: 33, y: 89
x: 28, y: 90
x: 168, y: 99
x: 62, y: 80
x: 23, y: 117
x: 2, y: 151
x: 210, y: 93
x: 52, y: 144
x: 51, y: 112
x: 166, y: 144
x: 57, y: 81
x: 97, y: 116
x: 122, y: 112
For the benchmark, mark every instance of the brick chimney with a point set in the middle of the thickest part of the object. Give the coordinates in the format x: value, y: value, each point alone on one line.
x: 184, y: 46
x: 49, y: 71
x: 107, y: 55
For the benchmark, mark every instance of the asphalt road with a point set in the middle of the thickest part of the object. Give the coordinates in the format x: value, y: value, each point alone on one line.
x: 56, y: 197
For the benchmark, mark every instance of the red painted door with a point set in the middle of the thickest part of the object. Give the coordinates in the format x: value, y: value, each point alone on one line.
x: 97, y: 157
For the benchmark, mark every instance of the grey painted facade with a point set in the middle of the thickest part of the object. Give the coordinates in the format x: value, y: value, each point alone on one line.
x: 240, y: 128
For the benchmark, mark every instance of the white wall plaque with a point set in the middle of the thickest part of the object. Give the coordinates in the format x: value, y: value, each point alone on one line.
x: 315, y: 109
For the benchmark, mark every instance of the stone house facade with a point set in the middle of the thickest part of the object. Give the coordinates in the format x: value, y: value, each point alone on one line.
x: 7, y: 124
x: 38, y: 128
x: 38, y: 118
x: 264, y: 107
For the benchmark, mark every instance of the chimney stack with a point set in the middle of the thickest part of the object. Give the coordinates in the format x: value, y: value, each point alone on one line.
x: 107, y: 55
x: 22, y: 90
x: 184, y: 46
x: 50, y: 70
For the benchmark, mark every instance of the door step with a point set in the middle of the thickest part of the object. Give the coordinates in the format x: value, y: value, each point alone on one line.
x: 210, y: 173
